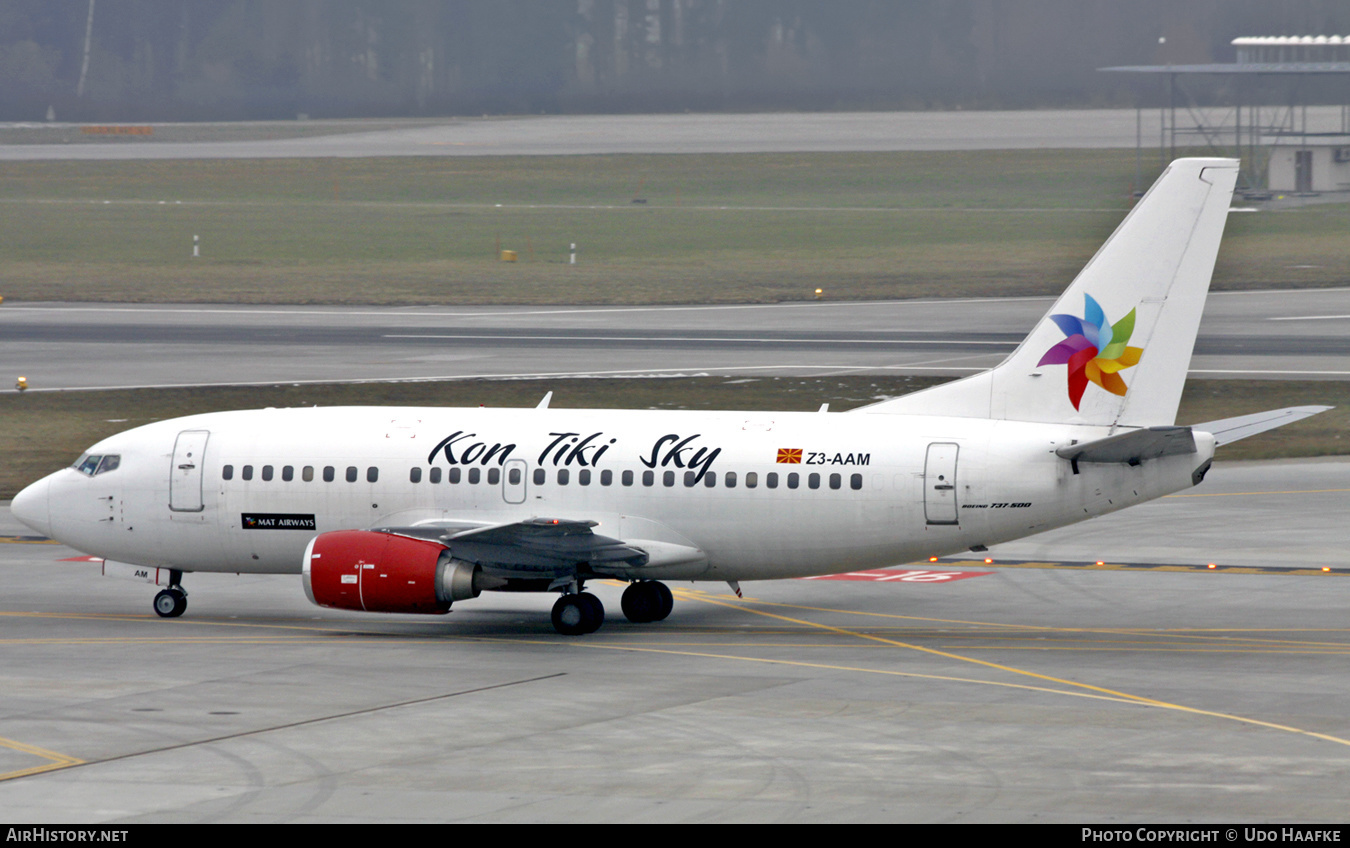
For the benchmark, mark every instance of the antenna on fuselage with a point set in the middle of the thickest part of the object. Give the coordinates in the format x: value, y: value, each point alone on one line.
x: 543, y: 404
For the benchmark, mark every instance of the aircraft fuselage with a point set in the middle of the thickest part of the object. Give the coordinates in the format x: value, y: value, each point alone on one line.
x: 762, y: 496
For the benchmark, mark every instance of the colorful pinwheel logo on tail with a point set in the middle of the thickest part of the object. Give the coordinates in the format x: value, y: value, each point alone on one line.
x: 1095, y: 350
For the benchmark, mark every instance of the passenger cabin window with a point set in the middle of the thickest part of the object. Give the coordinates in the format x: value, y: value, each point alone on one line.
x: 771, y: 480
x: 435, y: 475
x: 710, y: 479
x: 562, y: 476
x: 751, y: 479
x: 628, y: 478
x: 540, y: 475
x: 308, y: 474
x: 352, y: 473
x: 835, y: 481
x: 793, y: 480
x: 288, y: 473
x: 813, y: 481
x: 329, y: 474
x: 372, y: 474
x: 227, y: 473
x: 494, y: 476
x: 648, y: 478
x: 668, y: 479
x: 475, y: 474
x: 513, y: 476
x: 584, y: 477
x: 855, y: 482
x: 248, y: 472
x: 415, y: 475
x: 267, y: 473
x: 453, y: 475
x: 606, y: 478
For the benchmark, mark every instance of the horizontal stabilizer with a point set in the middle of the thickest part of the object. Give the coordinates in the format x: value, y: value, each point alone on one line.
x: 1134, y: 446
x: 1229, y: 430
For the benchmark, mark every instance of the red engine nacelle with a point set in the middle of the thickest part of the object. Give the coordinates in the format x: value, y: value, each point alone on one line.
x: 382, y: 572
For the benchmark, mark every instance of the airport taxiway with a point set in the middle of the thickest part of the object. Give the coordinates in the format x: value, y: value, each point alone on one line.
x: 1297, y: 334
x: 768, y: 132
x: 1012, y: 694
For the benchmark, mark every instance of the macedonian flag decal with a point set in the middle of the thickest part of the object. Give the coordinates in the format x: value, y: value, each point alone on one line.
x: 790, y: 456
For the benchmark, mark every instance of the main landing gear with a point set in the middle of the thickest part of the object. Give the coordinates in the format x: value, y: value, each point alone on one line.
x: 171, y: 602
x: 647, y: 601
x: 580, y: 613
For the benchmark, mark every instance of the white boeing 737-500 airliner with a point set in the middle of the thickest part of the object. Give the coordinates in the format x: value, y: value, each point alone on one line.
x: 410, y: 510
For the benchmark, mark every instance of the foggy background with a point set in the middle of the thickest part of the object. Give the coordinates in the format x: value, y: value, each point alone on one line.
x: 181, y: 60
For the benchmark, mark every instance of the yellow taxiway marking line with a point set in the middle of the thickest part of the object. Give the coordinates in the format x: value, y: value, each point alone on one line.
x: 1166, y: 649
x: 1173, y: 568
x: 1188, y: 632
x: 149, y: 619
x: 1210, y: 635
x: 1099, y: 690
x: 831, y: 667
x: 342, y: 630
x: 1090, y: 691
x: 57, y: 761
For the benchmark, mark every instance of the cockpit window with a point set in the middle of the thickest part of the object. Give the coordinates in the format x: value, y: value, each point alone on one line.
x: 94, y: 464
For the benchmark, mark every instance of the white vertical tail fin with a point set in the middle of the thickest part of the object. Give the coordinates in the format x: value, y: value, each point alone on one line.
x: 1116, y: 346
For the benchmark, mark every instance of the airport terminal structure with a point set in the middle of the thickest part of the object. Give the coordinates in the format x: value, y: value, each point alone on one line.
x: 1265, y: 119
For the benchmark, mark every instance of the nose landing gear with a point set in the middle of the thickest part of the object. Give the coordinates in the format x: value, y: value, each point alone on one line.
x: 171, y: 602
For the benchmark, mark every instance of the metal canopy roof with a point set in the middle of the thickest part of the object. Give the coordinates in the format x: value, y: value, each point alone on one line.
x: 1239, y: 68
x: 1268, y: 54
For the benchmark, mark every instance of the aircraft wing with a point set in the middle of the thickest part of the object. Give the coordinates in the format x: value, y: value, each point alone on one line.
x: 1229, y: 430
x: 554, y: 549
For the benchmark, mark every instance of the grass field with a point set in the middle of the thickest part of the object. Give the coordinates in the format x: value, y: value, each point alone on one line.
x: 714, y: 228
x: 40, y: 433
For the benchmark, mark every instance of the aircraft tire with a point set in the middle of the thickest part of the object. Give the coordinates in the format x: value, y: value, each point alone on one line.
x: 577, y: 615
x: 665, y: 601
x: 596, y: 615
x: 640, y: 603
x: 170, y: 604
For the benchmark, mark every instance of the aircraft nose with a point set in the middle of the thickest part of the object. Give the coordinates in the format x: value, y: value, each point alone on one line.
x: 31, y: 506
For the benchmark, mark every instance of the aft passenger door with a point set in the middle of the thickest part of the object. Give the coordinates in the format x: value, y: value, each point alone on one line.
x: 939, y: 483
x: 185, y: 475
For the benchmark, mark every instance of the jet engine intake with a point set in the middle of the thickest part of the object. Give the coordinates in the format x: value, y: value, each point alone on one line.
x: 383, y: 572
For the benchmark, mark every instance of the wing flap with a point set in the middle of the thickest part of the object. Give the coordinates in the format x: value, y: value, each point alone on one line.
x: 537, y: 548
